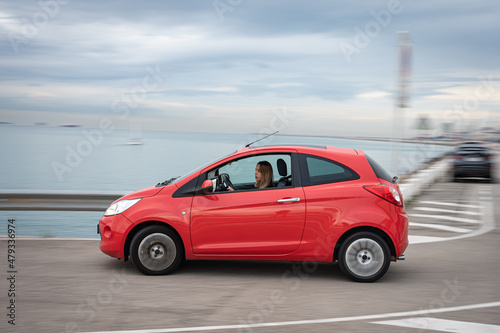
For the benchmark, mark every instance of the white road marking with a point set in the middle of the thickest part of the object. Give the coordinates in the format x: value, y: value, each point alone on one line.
x: 414, y: 239
x: 454, y: 204
x: 488, y: 224
x: 444, y: 217
x: 313, y: 321
x: 431, y: 209
x: 439, y: 227
x: 443, y: 325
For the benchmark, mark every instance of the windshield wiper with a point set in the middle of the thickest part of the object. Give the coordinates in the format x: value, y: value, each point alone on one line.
x: 167, y: 182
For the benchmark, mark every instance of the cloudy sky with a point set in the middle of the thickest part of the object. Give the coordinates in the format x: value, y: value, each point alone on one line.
x: 304, y: 67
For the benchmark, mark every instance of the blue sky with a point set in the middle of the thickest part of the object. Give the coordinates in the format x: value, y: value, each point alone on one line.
x: 304, y: 67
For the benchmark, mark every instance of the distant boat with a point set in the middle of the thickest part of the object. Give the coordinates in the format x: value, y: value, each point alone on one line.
x: 70, y: 125
x: 135, y: 141
x: 135, y: 134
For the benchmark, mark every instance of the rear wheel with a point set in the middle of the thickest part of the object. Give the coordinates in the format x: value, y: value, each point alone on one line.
x: 490, y: 177
x: 364, y: 257
x: 156, y: 250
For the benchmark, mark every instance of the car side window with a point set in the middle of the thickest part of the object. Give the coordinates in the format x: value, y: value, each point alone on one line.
x: 242, y: 171
x: 318, y: 170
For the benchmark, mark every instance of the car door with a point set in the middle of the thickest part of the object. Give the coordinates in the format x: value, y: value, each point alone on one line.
x: 249, y: 221
x: 334, y: 195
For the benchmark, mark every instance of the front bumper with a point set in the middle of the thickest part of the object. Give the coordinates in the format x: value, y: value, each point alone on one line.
x: 114, y: 230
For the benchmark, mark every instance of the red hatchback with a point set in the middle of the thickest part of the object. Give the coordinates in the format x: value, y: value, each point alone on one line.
x: 288, y: 203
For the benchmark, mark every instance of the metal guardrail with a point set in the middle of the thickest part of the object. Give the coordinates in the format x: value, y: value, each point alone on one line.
x: 57, y: 200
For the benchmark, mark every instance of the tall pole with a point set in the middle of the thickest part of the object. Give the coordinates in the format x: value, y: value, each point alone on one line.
x: 405, y: 50
x: 401, y: 100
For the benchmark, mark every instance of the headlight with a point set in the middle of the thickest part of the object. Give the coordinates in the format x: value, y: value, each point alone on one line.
x: 120, y: 206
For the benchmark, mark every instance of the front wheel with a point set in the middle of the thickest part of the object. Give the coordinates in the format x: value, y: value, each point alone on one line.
x: 156, y: 250
x: 364, y: 257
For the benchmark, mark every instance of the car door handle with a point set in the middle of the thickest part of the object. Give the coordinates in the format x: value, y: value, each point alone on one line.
x: 289, y: 200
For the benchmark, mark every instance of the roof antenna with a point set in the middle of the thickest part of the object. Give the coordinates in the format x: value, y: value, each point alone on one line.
x: 251, y: 143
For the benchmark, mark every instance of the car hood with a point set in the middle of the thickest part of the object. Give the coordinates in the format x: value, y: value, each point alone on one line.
x: 145, y: 192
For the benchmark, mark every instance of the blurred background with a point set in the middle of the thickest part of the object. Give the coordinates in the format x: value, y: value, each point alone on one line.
x: 117, y: 96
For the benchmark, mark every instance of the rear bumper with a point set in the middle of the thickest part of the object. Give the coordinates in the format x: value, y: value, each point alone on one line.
x: 472, y: 170
x: 402, y: 242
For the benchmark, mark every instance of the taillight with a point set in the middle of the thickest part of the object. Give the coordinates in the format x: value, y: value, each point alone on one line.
x: 386, y: 192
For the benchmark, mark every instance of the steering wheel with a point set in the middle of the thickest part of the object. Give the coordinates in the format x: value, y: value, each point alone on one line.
x: 223, y: 182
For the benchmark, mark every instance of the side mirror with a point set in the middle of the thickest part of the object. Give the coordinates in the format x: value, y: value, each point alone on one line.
x: 207, y: 187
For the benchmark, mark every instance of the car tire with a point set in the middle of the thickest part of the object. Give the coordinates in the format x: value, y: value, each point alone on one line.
x: 490, y: 177
x: 156, y: 250
x: 364, y: 257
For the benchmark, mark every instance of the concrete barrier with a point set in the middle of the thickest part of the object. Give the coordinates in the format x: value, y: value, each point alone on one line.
x: 422, y: 179
x: 57, y: 200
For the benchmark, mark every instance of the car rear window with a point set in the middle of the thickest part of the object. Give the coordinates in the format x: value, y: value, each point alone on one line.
x: 378, y: 169
x: 323, y: 171
x: 472, y: 150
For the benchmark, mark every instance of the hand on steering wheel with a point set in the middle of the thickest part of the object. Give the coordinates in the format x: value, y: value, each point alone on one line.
x: 225, y: 183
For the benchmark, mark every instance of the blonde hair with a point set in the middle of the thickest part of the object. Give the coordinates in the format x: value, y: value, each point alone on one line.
x: 267, y: 175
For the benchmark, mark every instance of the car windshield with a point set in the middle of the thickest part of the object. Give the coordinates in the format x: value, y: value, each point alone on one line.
x: 177, y: 179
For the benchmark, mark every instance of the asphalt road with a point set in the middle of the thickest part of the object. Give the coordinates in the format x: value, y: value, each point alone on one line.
x: 449, y: 282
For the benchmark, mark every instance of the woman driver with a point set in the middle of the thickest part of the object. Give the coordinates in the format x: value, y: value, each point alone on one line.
x: 263, y: 175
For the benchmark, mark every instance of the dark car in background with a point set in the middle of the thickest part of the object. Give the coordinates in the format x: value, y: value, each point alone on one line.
x: 473, y: 159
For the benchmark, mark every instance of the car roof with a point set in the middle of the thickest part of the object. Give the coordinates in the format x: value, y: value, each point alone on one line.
x: 288, y: 146
x: 304, y: 148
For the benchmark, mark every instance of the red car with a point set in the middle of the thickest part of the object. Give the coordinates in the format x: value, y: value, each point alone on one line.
x: 321, y: 204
